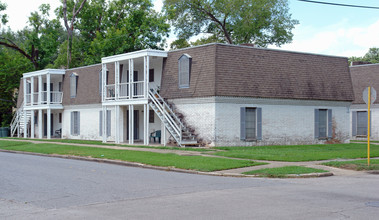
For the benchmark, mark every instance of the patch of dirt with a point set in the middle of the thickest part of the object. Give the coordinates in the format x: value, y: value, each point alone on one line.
x: 349, y: 166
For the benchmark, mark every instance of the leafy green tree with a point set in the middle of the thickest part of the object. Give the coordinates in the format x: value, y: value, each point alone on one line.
x: 372, y: 56
x: 179, y: 43
x: 129, y: 26
x: 3, y: 17
x: 261, y: 22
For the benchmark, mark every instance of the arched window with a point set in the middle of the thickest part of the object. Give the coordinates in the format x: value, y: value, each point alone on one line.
x: 73, y: 84
x: 184, y: 64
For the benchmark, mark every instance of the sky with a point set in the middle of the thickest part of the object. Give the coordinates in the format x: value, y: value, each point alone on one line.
x: 323, y: 29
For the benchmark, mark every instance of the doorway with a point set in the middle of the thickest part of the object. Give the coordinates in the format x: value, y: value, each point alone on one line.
x: 135, y: 125
x: 45, y: 124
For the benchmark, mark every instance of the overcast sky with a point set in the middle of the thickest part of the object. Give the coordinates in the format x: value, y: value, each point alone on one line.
x: 323, y: 29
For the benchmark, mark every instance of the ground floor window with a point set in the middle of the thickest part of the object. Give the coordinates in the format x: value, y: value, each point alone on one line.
x: 151, y: 116
x: 323, y: 123
x: 75, y: 123
x: 107, y: 123
x: 251, y: 123
x: 359, y: 123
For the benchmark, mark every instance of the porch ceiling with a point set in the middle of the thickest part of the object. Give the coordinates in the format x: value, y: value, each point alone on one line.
x: 133, y: 55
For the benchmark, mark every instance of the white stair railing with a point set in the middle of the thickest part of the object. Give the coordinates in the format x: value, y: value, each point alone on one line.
x: 17, y: 123
x: 169, y: 121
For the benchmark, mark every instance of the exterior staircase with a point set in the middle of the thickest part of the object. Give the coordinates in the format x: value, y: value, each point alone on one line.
x: 182, y: 134
x: 17, y: 124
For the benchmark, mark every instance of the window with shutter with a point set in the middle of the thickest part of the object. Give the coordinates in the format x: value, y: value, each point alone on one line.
x: 251, y: 124
x: 75, y: 123
x: 323, y: 123
x: 184, y: 66
x: 109, y: 123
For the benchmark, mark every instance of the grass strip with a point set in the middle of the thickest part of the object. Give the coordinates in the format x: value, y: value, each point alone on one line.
x: 199, y: 163
x: 355, y: 164
x: 364, y: 141
x: 295, y: 153
x: 284, y: 171
x: 93, y: 142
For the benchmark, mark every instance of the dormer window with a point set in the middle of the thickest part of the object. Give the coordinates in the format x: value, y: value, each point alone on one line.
x: 73, y: 84
x: 184, y: 64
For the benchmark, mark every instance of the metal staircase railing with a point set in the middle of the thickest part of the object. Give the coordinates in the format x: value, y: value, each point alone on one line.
x: 171, y: 121
x: 18, y: 121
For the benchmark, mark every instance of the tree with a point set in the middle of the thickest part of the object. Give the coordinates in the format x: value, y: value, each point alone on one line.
x: 3, y: 17
x: 77, y: 6
x: 372, y: 56
x: 179, y: 43
x: 261, y: 22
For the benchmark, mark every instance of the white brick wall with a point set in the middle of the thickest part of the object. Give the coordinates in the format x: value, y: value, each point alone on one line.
x: 199, y: 113
x: 217, y: 119
x: 374, y: 120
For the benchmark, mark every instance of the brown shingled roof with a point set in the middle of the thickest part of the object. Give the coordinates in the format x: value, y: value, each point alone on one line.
x: 362, y: 77
x: 241, y: 71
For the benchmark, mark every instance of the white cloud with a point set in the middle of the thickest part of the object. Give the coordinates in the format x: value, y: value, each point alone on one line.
x: 338, y: 39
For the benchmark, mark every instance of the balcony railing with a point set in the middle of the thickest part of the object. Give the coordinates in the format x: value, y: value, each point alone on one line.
x: 123, y: 89
x: 55, y: 98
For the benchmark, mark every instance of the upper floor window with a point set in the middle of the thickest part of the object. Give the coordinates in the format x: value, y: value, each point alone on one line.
x: 151, y: 75
x: 73, y: 84
x: 184, y: 64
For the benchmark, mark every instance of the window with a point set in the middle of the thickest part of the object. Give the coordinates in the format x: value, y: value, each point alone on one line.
x: 73, y: 84
x: 151, y: 75
x: 151, y: 116
x: 359, y: 121
x: 184, y: 66
x: 251, y: 124
x: 60, y: 117
x: 323, y: 123
x: 60, y: 87
x: 108, y: 123
x: 75, y: 123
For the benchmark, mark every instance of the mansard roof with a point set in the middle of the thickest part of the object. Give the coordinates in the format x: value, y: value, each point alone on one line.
x: 362, y: 77
x: 244, y: 71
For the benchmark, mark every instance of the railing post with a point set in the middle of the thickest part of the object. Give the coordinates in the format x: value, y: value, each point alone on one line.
x: 117, y: 79
x: 39, y: 89
x: 48, y: 88
x: 32, y: 90
x: 131, y: 73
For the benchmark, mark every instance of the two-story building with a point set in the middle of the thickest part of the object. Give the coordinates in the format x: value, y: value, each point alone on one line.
x: 214, y: 94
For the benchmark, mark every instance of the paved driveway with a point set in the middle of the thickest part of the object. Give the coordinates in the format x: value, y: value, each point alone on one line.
x: 33, y: 187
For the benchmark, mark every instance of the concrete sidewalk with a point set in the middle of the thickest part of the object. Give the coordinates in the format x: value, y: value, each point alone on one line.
x: 230, y: 172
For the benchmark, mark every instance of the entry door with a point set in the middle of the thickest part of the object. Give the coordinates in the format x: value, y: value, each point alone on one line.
x: 135, y: 126
x: 45, y: 124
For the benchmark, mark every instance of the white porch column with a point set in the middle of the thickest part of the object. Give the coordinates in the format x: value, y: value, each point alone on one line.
x: 117, y: 124
x: 131, y: 78
x: 32, y: 91
x: 24, y: 82
x: 163, y: 141
x: 131, y: 123
x: 48, y: 122
x: 147, y: 125
x: 25, y: 130
x: 116, y: 79
x: 48, y: 89
x: 145, y: 137
x: 39, y: 89
x: 40, y: 125
x: 147, y: 68
x: 104, y: 125
x: 32, y: 123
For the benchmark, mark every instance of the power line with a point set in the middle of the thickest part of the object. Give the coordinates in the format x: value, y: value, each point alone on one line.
x: 336, y: 4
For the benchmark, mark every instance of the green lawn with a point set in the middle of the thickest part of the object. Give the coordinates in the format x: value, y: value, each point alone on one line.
x: 299, y: 152
x: 199, y: 163
x: 92, y: 142
x: 284, y: 171
x: 355, y: 165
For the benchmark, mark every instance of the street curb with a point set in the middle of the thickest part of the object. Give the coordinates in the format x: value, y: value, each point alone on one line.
x: 146, y: 166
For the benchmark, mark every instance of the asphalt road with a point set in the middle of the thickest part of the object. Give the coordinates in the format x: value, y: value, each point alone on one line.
x: 33, y: 187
